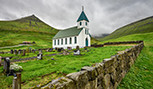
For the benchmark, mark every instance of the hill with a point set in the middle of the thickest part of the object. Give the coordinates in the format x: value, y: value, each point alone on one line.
x: 28, y: 28
x: 30, y: 23
x: 140, y: 74
x: 141, y: 26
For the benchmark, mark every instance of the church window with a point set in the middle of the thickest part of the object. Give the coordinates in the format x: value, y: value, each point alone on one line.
x: 58, y: 41
x: 65, y: 40
x: 62, y: 41
x: 70, y: 40
x: 86, y: 23
x: 75, y: 40
x: 86, y: 31
x: 80, y: 23
x: 54, y: 42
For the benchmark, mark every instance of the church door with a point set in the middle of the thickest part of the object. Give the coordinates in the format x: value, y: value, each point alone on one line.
x: 86, y: 41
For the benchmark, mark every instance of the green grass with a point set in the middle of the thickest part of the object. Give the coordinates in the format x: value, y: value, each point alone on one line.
x: 62, y: 64
x: 140, y: 74
x: 142, y: 26
x: 17, y: 31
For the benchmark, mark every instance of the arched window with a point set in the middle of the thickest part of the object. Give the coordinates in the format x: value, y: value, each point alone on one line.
x: 86, y: 23
x: 80, y: 23
x: 61, y: 41
x: 65, y: 40
x: 55, y: 42
x: 86, y: 31
x: 70, y: 40
x: 86, y: 42
x: 75, y: 40
x: 58, y: 41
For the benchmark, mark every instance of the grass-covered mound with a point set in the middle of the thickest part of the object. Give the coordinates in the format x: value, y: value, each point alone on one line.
x: 141, y: 26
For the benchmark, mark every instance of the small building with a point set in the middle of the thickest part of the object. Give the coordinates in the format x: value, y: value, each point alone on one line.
x: 74, y: 36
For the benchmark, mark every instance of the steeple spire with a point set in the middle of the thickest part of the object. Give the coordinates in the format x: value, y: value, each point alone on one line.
x: 82, y: 8
x: 82, y: 16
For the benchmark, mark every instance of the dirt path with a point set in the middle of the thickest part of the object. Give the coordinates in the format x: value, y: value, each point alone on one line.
x: 15, y: 46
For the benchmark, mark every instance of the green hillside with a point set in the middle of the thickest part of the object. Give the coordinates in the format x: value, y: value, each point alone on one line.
x: 28, y: 28
x: 141, y: 26
x: 30, y: 23
x: 140, y: 74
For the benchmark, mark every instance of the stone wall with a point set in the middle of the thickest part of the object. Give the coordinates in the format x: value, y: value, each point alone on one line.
x: 105, y: 75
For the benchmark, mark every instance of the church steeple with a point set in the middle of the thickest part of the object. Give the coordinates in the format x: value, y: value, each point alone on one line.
x: 82, y: 20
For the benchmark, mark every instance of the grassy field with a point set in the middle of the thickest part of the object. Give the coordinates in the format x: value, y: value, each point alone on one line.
x: 140, y: 75
x: 34, y: 69
x: 141, y: 26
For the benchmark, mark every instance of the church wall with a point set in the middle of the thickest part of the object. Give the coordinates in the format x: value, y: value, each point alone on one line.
x: 82, y: 36
x: 83, y: 24
x: 73, y: 45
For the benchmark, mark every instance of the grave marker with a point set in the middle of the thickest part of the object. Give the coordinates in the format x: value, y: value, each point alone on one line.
x: 15, y: 52
x: 19, y: 51
x: 76, y: 52
x: 6, y: 65
x: 11, y: 51
x: 0, y: 60
x: 24, y: 52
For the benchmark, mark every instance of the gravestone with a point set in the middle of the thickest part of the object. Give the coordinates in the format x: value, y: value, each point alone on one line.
x: 77, y: 47
x: 69, y: 48
x: 59, y: 49
x: 11, y: 51
x: 0, y: 60
x: 52, y: 59
x: 24, y: 52
x: 40, y: 56
x: 56, y: 48
x: 19, y: 51
x: 76, y: 52
x: 65, y: 52
x: 15, y: 52
x: 6, y: 65
x: 33, y: 50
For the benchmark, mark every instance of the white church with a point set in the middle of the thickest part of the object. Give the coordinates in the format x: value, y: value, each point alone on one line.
x: 74, y: 36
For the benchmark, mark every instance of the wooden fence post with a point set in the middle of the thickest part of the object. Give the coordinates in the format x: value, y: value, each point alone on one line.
x: 17, y: 81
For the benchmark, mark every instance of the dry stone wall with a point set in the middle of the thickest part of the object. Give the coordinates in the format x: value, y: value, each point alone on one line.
x: 105, y: 75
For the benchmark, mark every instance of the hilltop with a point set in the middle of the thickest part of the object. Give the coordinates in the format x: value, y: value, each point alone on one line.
x: 29, y: 23
x: 29, y: 28
x: 141, y: 26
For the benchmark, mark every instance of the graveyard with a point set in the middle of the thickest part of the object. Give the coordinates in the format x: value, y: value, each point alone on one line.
x: 30, y: 57
x: 54, y: 66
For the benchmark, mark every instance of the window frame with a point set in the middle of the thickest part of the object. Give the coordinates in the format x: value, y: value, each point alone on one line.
x: 75, y: 40
x: 58, y: 41
x: 80, y: 23
x: 65, y: 40
x: 55, y: 42
x: 70, y: 40
x: 61, y: 41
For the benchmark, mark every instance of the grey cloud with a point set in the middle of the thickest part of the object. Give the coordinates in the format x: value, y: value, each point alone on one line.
x: 105, y: 15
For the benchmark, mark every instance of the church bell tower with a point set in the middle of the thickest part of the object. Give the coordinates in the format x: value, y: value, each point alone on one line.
x: 82, y: 21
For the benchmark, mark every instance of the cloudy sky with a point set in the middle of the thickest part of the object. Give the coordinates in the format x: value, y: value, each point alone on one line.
x: 104, y: 15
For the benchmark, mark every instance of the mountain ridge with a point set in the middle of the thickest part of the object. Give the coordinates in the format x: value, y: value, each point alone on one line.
x: 141, y: 26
